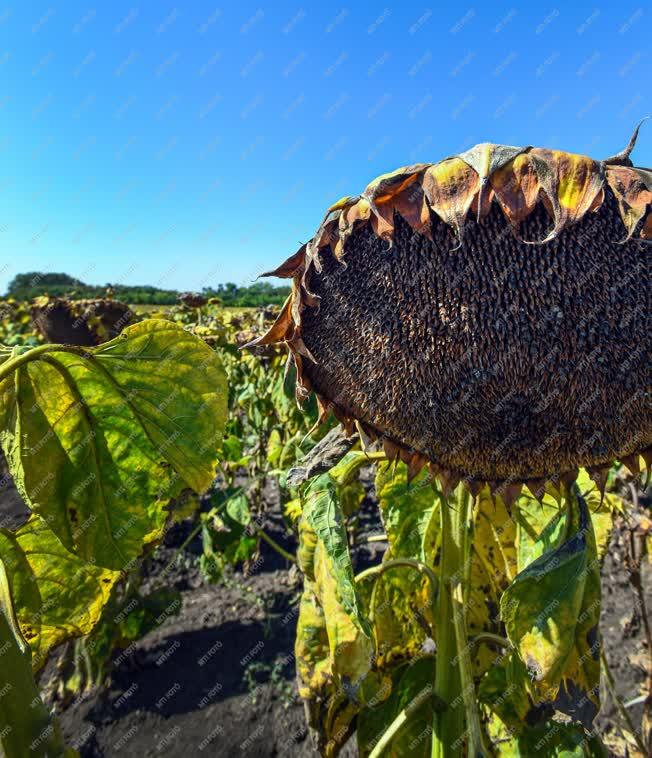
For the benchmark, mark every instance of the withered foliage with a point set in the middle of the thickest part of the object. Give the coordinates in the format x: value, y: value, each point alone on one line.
x: 488, y: 314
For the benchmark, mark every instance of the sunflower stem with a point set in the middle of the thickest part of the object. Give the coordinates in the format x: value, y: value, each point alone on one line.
x: 463, y: 526
x: 448, y: 725
x: 9, y: 366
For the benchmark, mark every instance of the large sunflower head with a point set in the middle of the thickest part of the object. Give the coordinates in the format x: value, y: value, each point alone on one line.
x: 489, y: 313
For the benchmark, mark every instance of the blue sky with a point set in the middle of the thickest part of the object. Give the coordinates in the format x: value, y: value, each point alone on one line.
x: 191, y: 144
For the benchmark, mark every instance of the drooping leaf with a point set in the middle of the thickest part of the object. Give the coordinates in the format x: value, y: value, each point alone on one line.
x: 27, y: 729
x: 333, y: 656
x: 551, y: 613
x: 56, y: 594
x: 517, y: 728
x: 539, y: 524
x: 402, y: 597
x: 493, y: 566
x: 351, y: 648
x: 311, y: 647
x: 323, y: 513
x: 98, y: 441
x: 540, y: 528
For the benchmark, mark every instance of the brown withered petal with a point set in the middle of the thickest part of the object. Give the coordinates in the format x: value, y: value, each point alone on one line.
x: 517, y: 188
x: 391, y: 449
x: 599, y: 474
x: 459, y: 343
x: 414, y: 466
x: 632, y: 463
x: 537, y: 488
x: 288, y: 268
x: 646, y: 231
x: 450, y: 188
x: 280, y: 330
x: 570, y: 183
x: 633, y: 190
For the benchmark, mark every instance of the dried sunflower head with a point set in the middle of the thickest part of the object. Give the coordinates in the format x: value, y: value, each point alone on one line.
x: 489, y: 314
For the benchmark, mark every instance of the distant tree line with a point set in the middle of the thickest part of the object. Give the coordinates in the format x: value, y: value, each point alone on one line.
x: 33, y: 284
x: 254, y: 296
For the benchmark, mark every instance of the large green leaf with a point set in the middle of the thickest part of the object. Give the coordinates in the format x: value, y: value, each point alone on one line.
x: 551, y: 613
x: 56, y: 594
x: 99, y: 440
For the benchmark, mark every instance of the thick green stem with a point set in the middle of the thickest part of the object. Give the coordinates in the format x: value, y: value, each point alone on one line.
x: 462, y: 525
x: 454, y: 674
x: 8, y: 367
x: 448, y: 725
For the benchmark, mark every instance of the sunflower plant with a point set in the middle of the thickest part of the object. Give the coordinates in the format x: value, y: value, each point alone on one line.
x: 483, y: 323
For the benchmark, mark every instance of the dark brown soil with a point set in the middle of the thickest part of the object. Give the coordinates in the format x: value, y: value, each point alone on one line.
x: 218, y: 679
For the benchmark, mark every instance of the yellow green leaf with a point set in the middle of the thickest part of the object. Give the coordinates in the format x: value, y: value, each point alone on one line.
x: 56, y: 594
x: 99, y: 440
x: 27, y: 728
x: 551, y: 612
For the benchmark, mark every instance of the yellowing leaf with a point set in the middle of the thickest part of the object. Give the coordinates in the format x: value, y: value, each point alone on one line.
x: 351, y: 649
x: 551, y: 613
x: 56, y: 594
x: 27, y: 728
x: 347, y: 627
x: 402, y: 596
x: 98, y: 441
x: 322, y: 512
x: 493, y: 566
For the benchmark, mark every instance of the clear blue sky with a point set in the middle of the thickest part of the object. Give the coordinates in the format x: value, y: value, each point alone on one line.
x: 191, y: 144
